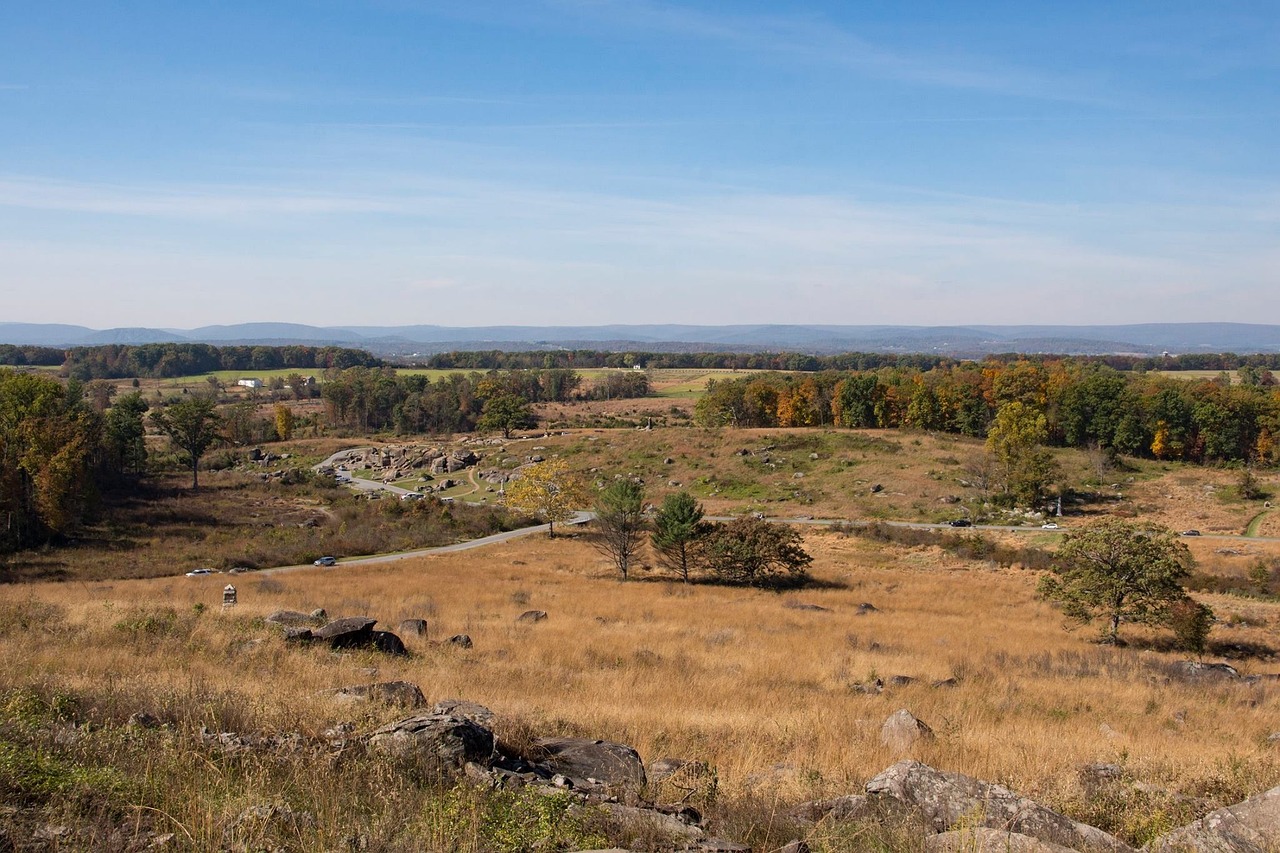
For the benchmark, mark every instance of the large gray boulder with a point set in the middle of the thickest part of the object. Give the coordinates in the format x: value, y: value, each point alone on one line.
x: 986, y: 840
x: 1252, y: 826
x: 438, y: 741
x: 942, y: 800
x: 590, y: 762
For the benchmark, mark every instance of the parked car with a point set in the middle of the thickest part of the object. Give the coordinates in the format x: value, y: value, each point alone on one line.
x: 326, y: 561
x: 412, y: 496
x: 1050, y: 525
x: 195, y: 573
x: 1191, y: 533
x: 960, y: 522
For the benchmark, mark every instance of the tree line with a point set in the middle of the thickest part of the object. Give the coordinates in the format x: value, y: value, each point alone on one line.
x: 808, y: 363
x: 1082, y: 403
x: 366, y: 399
x: 167, y: 361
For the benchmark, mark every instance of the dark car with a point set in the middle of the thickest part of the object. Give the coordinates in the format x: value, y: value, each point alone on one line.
x: 1191, y: 533
x: 961, y: 522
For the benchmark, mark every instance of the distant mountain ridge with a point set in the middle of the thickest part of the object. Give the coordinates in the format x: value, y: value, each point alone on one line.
x: 961, y: 341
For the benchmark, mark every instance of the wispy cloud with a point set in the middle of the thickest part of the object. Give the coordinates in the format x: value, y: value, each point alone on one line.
x: 191, y: 201
x: 813, y: 40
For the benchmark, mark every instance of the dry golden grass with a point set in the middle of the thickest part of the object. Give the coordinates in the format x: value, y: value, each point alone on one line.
x: 733, y: 677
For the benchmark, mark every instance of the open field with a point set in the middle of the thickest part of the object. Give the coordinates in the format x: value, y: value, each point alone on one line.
x: 738, y: 678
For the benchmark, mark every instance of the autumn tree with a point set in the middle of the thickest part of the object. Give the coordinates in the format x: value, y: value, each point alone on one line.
x: 754, y: 552
x: 677, y: 528
x: 1119, y: 571
x: 1015, y: 441
x: 284, y: 421
x: 192, y: 425
x: 548, y: 490
x: 47, y: 439
x: 620, y: 523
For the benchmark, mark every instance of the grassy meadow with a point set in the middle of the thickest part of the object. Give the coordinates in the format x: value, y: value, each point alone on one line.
x: 776, y: 698
x: 763, y: 692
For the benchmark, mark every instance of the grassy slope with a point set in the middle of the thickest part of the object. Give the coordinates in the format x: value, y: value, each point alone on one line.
x: 732, y: 677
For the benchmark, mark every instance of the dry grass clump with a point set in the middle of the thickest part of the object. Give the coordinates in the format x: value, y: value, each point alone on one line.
x: 762, y: 692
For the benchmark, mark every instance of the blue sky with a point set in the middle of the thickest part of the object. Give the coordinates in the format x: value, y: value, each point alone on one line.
x: 635, y: 161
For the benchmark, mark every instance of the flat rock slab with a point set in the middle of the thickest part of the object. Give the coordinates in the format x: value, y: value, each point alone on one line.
x: 1252, y: 826
x: 391, y: 692
x: 473, y: 711
x: 290, y: 617
x: 342, y: 627
x: 614, y: 764
x: 944, y: 800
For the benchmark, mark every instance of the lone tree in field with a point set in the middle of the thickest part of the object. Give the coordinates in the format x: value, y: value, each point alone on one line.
x: 621, y: 522
x: 548, y: 490
x: 1120, y: 571
x: 677, y: 527
x: 192, y: 425
x: 754, y: 552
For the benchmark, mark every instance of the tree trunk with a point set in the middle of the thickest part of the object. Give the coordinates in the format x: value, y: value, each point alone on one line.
x: 195, y: 473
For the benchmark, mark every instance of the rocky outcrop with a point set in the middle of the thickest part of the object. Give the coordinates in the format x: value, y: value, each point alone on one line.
x: 1252, y: 826
x: 943, y: 800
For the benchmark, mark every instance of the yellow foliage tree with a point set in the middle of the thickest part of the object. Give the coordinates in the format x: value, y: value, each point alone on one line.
x: 548, y: 490
x: 284, y: 421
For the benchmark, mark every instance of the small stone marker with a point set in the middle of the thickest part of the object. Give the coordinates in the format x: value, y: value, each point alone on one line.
x: 228, y: 596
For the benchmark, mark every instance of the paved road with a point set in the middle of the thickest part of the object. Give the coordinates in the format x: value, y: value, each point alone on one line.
x: 578, y: 518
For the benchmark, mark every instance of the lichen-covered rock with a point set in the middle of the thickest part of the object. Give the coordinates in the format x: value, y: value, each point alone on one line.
x: 436, y: 740
x: 983, y: 839
x: 1252, y: 826
x: 943, y: 800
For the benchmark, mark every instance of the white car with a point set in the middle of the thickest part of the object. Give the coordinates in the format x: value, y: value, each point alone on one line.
x: 1050, y: 525
x: 326, y: 561
x: 195, y: 573
x: 412, y: 496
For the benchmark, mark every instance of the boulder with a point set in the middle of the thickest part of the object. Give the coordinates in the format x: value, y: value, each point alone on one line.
x: 346, y: 633
x: 648, y: 822
x: 298, y: 635
x: 413, y: 627
x: 476, y: 713
x: 1252, y: 826
x: 291, y: 618
x: 1196, y: 671
x: 588, y: 762
x: 460, y: 640
x: 442, y: 742
x: 721, y: 845
x: 532, y: 616
x: 387, y: 642
x: 901, y: 730
x: 391, y: 692
x: 943, y: 800
x: 983, y: 839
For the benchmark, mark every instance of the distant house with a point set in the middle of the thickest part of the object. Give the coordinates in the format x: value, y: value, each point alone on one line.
x: 250, y: 383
